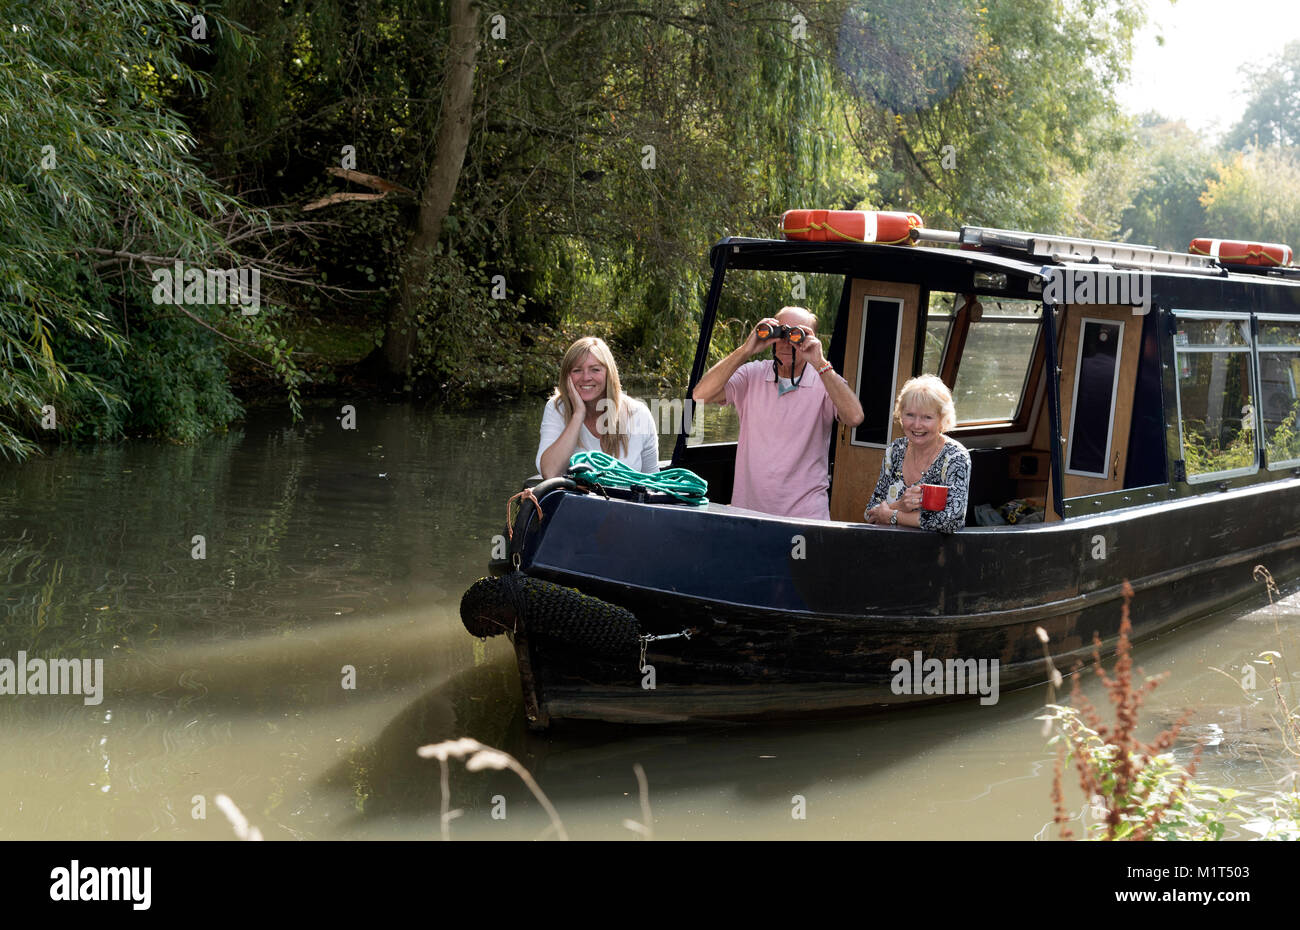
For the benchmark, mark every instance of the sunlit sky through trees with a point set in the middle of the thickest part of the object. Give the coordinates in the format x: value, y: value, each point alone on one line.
x: 1196, y: 76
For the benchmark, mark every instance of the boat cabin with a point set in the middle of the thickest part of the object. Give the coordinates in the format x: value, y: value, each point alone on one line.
x: 1172, y: 374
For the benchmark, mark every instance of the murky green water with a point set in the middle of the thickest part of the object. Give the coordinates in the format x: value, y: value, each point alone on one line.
x: 329, y: 549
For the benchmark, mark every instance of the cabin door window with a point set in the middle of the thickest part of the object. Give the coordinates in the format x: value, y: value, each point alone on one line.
x: 1092, y: 413
x: 1216, y: 392
x: 877, y: 374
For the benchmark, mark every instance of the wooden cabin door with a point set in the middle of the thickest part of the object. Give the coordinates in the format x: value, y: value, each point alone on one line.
x: 1099, y: 361
x: 878, y: 360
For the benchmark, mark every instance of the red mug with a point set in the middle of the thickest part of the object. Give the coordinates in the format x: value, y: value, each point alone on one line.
x: 934, y: 496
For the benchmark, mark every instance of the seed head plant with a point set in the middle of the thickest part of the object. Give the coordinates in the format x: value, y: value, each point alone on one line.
x: 1135, y: 785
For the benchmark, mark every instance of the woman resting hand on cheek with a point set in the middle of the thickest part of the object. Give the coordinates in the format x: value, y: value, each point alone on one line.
x: 589, y: 412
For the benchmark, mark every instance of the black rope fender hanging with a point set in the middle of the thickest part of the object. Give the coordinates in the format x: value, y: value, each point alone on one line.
x: 492, y: 606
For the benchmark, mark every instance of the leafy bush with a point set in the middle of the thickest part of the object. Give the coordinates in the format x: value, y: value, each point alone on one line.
x: 1283, y: 444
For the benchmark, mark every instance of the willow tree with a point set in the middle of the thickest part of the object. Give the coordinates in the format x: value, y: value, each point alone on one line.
x: 621, y: 142
x: 98, y: 186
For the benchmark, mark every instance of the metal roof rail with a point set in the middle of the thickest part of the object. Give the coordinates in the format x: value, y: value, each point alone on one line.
x: 1062, y: 249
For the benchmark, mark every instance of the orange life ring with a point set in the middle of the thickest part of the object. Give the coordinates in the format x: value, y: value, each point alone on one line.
x: 1229, y: 252
x: 885, y: 227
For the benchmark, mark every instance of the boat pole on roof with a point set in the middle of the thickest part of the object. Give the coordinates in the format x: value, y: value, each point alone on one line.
x: 922, y: 234
x: 721, y: 250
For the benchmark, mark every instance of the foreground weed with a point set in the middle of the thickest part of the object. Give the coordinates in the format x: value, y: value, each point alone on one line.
x: 1138, y: 789
x: 1289, y: 722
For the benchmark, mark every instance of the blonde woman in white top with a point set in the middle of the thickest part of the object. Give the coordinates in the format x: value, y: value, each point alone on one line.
x: 589, y: 411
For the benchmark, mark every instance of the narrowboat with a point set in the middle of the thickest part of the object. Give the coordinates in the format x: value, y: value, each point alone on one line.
x: 1132, y: 410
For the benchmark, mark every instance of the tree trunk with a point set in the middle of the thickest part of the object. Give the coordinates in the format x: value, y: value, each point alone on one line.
x: 439, y: 186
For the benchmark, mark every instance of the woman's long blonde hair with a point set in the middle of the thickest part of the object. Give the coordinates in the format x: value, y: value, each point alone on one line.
x: 612, y: 407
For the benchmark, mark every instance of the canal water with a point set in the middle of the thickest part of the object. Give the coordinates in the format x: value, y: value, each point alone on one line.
x: 275, y: 609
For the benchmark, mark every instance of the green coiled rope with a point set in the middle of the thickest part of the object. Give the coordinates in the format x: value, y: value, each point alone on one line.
x: 609, y: 472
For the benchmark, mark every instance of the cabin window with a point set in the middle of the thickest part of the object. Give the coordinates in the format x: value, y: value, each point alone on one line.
x: 1215, y: 378
x: 1092, y: 414
x: 993, y: 369
x: 882, y: 328
x: 747, y: 297
x: 938, y: 325
x: 1279, y: 375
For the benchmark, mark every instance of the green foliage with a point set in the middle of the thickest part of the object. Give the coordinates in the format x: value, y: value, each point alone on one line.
x: 1255, y: 196
x: 1205, y: 452
x: 1034, y: 106
x: 1187, y: 810
x: 1137, y: 790
x: 1283, y: 443
x: 472, y: 343
x: 1166, y: 209
x: 97, y: 184
x: 610, y: 146
x: 176, y: 382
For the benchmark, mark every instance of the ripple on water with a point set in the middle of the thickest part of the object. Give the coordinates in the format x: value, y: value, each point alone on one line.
x: 327, y: 550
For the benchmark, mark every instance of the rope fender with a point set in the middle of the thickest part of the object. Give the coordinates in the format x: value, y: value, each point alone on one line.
x: 497, y: 605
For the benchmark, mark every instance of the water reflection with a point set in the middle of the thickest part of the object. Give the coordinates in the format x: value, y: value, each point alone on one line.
x: 337, y: 555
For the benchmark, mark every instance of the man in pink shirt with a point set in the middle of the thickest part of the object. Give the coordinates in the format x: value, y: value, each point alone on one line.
x: 786, y: 414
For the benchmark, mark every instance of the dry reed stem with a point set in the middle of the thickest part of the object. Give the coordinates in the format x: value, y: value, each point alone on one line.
x: 1289, y: 725
x: 646, y: 827
x: 479, y: 757
x: 243, y: 829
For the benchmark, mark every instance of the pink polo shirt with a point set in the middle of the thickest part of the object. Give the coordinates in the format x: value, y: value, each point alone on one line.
x: 781, y: 459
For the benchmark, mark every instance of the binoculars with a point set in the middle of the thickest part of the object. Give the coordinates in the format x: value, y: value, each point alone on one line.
x: 793, y: 333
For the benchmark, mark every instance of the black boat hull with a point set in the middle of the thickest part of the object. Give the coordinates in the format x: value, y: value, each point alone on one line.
x: 789, y: 618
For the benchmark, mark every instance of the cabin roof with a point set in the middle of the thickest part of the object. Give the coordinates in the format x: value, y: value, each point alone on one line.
x: 859, y: 259
x: 952, y: 269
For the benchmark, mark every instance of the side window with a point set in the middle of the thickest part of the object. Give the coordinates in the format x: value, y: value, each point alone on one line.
x: 1215, y: 378
x: 938, y: 325
x: 1279, y: 375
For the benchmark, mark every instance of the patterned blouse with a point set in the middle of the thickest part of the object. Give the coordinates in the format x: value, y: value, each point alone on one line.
x: 951, y: 467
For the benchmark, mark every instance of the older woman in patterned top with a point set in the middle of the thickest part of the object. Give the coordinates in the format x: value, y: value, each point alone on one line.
x: 922, y: 455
